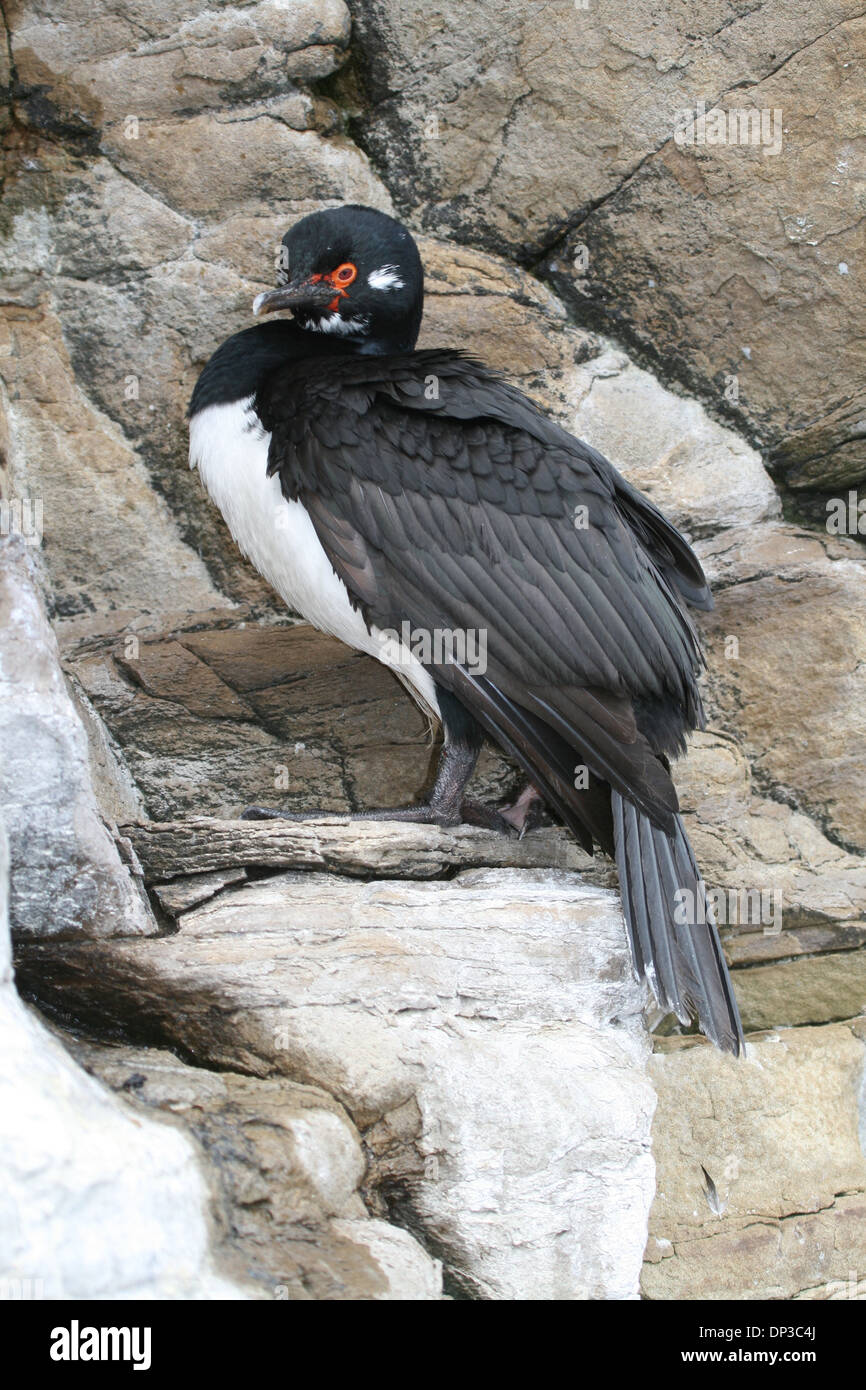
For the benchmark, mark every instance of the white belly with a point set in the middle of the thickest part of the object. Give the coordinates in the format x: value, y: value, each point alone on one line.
x: 229, y: 446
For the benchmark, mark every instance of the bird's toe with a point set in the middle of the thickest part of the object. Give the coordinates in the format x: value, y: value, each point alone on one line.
x: 476, y: 813
x: 526, y: 812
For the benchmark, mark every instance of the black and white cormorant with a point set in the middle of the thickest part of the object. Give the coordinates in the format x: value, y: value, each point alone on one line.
x: 383, y: 490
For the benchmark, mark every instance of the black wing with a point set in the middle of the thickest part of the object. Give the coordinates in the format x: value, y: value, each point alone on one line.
x: 445, y: 498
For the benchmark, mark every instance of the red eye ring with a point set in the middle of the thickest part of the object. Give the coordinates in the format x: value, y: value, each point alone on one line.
x: 344, y: 274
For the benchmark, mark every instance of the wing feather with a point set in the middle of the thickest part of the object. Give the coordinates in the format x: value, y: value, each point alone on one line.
x: 459, y: 512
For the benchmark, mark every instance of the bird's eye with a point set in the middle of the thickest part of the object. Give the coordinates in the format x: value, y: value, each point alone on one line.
x: 344, y: 274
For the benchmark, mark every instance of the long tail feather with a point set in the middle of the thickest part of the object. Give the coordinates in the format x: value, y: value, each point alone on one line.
x: 680, y: 958
x: 675, y: 944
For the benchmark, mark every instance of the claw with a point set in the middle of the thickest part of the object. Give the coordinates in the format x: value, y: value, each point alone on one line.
x: 476, y: 813
x: 525, y: 813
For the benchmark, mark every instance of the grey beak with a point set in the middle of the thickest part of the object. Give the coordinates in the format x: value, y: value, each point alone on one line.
x: 300, y: 294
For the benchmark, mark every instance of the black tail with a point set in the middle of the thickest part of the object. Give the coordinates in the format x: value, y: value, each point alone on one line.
x: 674, y: 942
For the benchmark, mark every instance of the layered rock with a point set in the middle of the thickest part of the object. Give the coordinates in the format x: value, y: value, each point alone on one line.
x: 794, y: 685
x: 430, y: 1011
x: 158, y: 1210
x: 96, y: 1202
x: 285, y: 1167
x: 67, y: 874
x: 761, y: 1172
x: 726, y: 251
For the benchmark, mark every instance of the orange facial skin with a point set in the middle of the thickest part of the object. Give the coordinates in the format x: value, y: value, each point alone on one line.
x: 340, y: 278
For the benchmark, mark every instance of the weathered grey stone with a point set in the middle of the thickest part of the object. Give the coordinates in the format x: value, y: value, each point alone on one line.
x: 392, y: 849
x: 410, y: 1274
x: 745, y: 842
x: 778, y: 1135
x: 67, y: 877
x: 811, y: 989
x: 787, y: 643
x: 732, y: 267
x: 212, y: 721
x: 230, y: 161
x: 504, y: 315
x: 100, y: 224
x: 703, y: 477
x: 96, y: 1202
x: 430, y: 1010
x: 111, y: 541
x: 117, y: 796
x: 188, y: 890
x: 285, y: 1165
x: 161, y: 59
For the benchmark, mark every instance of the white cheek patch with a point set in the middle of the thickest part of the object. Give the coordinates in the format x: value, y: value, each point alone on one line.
x: 387, y: 277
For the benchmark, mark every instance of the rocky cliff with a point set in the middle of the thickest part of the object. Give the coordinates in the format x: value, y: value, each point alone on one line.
x: 392, y: 1063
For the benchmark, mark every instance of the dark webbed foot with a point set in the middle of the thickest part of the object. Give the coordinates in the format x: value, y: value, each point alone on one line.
x: 446, y: 805
x: 476, y: 813
x: 525, y: 813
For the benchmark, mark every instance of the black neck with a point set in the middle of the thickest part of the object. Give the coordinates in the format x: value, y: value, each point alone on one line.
x: 240, y: 365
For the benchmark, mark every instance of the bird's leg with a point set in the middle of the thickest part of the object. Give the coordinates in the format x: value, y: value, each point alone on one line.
x: 446, y: 804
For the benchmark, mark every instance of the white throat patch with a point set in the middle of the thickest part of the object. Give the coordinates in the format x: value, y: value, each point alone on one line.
x: 335, y: 323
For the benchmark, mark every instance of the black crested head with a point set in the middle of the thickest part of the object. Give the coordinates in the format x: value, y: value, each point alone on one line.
x: 354, y: 273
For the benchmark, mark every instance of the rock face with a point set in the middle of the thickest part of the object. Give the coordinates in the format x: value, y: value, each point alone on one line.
x: 68, y: 878
x: 725, y: 249
x: 761, y: 1173
x: 284, y: 1164
x: 796, y: 601
x: 248, y: 1189
x: 96, y: 1204
x: 405, y: 1048
x: 428, y: 1010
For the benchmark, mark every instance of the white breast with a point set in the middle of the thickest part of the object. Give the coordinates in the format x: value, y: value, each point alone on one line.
x: 229, y: 446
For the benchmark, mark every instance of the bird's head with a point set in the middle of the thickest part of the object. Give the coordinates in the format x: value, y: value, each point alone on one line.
x: 352, y: 272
